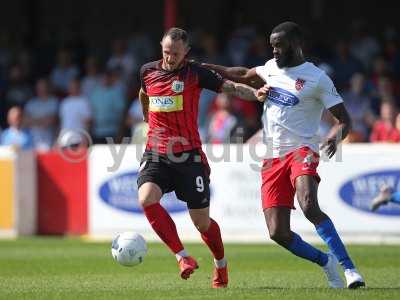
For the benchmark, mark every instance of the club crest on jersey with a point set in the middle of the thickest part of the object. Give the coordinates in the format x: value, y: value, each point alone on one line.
x: 177, y: 86
x: 299, y: 84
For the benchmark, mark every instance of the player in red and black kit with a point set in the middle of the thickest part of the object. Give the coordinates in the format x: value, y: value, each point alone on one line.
x: 173, y: 160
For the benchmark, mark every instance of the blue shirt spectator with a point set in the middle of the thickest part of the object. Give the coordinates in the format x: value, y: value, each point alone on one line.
x: 41, y: 116
x: 344, y: 66
x: 63, y: 72
x: 15, y: 135
x: 107, y: 103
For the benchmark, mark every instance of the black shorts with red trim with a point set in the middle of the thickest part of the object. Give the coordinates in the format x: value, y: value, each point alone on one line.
x: 187, y: 173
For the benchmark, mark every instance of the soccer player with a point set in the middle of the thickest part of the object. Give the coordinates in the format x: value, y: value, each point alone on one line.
x: 297, y: 92
x: 173, y: 159
x: 385, y: 196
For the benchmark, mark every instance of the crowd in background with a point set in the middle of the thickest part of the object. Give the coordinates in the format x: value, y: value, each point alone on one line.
x: 49, y: 92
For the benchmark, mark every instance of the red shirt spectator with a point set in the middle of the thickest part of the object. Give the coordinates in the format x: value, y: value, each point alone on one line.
x: 383, y: 132
x: 385, y: 129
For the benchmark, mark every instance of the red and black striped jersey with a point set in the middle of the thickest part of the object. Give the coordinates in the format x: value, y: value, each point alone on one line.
x: 173, y: 104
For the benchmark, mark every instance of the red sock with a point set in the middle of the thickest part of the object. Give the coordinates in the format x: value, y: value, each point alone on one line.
x: 212, y: 237
x: 164, y: 226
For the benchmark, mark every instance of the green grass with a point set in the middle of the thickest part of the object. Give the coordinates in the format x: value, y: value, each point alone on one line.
x: 52, y: 268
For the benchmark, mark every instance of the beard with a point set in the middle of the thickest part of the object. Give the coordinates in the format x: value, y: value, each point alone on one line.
x: 285, y: 59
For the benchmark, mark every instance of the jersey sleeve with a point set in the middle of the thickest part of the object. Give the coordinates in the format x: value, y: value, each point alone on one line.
x: 327, y: 92
x: 209, y: 79
x: 261, y: 71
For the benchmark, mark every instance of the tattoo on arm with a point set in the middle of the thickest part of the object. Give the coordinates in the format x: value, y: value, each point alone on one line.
x: 239, y: 90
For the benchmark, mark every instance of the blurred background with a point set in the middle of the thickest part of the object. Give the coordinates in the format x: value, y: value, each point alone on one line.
x: 69, y: 79
x: 69, y: 76
x: 61, y: 58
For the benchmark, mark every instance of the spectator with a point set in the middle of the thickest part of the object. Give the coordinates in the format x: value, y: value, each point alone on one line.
x: 384, y: 91
x: 398, y: 122
x: 379, y: 69
x: 63, y: 72
x: 344, y: 65
x: 141, y: 46
x: 75, y: 114
x: 135, y: 115
x: 363, y: 45
x: 122, y: 59
x: 205, y: 103
x: 24, y: 61
x: 239, y: 43
x: 41, y: 116
x: 209, y: 45
x: 222, y: 121
x: 15, y: 135
x: 248, y: 117
x: 135, y: 121
x: 92, y: 76
x: 107, y: 103
x: 359, y: 107
x: 257, y: 53
x: 385, y: 130
x: 19, y: 91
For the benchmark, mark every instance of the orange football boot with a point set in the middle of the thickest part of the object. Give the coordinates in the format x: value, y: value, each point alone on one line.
x: 220, y: 278
x: 187, y: 265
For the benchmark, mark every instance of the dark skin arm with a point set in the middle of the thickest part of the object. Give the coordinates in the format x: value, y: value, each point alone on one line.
x: 144, y: 100
x: 238, y: 74
x: 339, y: 131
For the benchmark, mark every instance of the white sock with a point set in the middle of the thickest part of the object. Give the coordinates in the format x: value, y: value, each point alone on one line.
x: 181, y: 254
x: 221, y: 263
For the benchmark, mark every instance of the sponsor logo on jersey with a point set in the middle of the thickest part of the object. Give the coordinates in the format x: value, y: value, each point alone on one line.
x: 299, y: 84
x: 166, y: 103
x: 121, y: 192
x: 177, y: 86
x: 359, y: 191
x: 282, y: 97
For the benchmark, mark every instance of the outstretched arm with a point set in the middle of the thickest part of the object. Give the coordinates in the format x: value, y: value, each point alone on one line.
x: 144, y: 100
x: 243, y: 91
x: 339, y: 131
x: 238, y: 74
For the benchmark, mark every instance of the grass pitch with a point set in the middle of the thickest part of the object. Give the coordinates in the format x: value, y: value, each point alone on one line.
x: 53, y: 268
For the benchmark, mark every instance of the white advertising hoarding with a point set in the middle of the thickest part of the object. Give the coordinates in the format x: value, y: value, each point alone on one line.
x: 345, y: 192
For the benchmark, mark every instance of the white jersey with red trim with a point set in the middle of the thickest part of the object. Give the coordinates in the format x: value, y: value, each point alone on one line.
x: 295, y: 102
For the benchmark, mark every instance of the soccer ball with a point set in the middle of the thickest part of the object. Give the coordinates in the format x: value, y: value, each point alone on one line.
x: 129, y: 249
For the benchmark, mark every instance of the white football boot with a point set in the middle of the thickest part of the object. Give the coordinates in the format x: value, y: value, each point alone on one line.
x: 332, y: 273
x: 353, y: 278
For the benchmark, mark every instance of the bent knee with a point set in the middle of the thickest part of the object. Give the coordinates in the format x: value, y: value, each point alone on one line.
x: 280, y: 236
x: 147, y: 201
x: 149, y: 194
x: 202, y: 226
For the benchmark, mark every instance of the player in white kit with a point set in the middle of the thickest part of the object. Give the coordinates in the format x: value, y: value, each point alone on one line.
x: 296, y: 94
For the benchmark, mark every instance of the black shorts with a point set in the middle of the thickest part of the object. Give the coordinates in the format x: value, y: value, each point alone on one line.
x: 187, y: 173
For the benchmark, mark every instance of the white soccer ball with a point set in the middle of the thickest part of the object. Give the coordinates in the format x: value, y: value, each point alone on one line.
x: 129, y: 248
